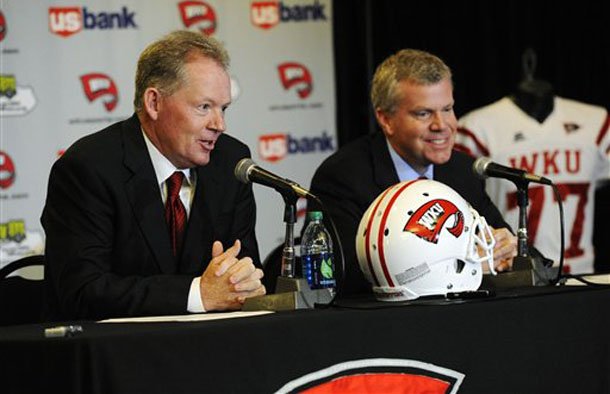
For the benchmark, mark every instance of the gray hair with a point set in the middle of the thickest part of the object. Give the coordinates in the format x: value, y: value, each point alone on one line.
x: 161, y: 64
x: 407, y: 64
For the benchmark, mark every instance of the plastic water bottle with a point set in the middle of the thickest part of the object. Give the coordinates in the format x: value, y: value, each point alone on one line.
x: 317, y: 254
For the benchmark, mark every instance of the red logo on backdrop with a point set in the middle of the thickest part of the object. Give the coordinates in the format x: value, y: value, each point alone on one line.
x: 65, y: 21
x: 7, y: 171
x: 429, y: 219
x: 272, y: 147
x: 198, y: 14
x: 297, y: 76
x: 265, y: 14
x: 2, y: 26
x: 98, y: 85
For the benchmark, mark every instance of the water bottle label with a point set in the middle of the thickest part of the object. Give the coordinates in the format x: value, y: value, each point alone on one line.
x: 319, y: 270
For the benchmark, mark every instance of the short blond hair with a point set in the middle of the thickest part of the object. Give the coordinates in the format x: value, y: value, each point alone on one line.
x: 161, y: 64
x: 407, y: 64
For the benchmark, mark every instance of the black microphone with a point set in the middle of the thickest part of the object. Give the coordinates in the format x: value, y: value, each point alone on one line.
x: 484, y: 167
x: 247, y: 171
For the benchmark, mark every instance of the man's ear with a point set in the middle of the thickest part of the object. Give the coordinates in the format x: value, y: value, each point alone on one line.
x: 384, y: 121
x: 152, y: 102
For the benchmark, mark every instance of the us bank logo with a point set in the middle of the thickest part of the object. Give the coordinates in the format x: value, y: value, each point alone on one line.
x: 275, y: 147
x: 267, y: 14
x: 295, y: 76
x: 199, y: 15
x: 98, y: 86
x: 66, y: 21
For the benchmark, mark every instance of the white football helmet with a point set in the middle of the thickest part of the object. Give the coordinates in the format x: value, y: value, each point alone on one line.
x: 422, y: 238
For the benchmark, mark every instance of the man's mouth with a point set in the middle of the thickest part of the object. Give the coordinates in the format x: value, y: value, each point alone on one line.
x: 207, y: 144
x: 437, y: 141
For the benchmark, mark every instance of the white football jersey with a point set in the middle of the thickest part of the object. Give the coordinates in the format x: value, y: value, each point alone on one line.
x: 571, y: 148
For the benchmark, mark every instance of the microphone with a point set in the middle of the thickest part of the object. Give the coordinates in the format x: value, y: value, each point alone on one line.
x: 247, y: 171
x: 484, y: 167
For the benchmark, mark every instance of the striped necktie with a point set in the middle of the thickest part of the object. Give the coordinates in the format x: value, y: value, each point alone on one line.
x: 175, y: 214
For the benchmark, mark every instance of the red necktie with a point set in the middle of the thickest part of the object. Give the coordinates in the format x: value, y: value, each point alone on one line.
x: 175, y: 214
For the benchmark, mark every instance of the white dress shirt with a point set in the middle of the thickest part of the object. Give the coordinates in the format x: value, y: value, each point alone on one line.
x: 163, y: 170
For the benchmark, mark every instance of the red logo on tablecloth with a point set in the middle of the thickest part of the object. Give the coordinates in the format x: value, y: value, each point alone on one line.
x: 378, y: 375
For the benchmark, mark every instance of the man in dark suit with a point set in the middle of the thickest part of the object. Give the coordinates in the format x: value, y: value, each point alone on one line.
x: 138, y: 215
x: 412, y: 95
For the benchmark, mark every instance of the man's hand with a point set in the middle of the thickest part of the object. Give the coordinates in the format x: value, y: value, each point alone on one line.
x: 505, y: 249
x: 228, y: 281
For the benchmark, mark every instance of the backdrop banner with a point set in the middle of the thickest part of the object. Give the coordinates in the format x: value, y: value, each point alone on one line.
x: 67, y: 70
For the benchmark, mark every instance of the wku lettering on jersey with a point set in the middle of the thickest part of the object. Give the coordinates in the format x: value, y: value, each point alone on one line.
x: 571, y: 147
x: 551, y: 162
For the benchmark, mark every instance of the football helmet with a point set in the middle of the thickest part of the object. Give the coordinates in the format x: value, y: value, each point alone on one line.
x: 421, y: 238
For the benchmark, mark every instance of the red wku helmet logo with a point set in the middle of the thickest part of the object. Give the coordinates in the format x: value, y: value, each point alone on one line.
x: 98, y: 85
x: 200, y: 14
x: 296, y: 75
x: 429, y: 219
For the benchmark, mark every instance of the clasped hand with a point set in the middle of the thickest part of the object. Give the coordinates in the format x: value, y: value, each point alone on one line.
x: 228, y: 281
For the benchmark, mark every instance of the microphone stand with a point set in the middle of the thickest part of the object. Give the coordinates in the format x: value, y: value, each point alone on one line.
x: 523, y: 259
x: 290, y: 293
x: 527, y: 270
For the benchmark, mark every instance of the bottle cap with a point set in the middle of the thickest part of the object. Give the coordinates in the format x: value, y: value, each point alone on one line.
x: 314, y: 215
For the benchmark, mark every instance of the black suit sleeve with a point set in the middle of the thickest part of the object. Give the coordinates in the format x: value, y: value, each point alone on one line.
x: 86, y: 275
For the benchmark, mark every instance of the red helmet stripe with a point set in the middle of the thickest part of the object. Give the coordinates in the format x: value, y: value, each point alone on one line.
x: 367, y: 245
x: 381, y: 230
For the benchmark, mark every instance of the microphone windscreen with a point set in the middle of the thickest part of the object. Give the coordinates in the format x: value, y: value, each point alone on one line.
x: 242, y: 169
x: 480, y: 165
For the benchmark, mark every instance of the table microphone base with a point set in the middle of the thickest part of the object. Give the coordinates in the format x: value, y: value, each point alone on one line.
x: 290, y: 294
x: 527, y: 272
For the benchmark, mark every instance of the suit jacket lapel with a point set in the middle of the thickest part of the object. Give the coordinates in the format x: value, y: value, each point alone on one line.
x: 383, y: 168
x: 144, y: 195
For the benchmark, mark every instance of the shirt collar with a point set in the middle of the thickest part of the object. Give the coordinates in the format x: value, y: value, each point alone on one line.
x: 163, y: 167
x: 404, y: 170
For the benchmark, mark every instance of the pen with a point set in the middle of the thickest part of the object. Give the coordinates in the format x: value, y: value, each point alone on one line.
x: 62, y: 331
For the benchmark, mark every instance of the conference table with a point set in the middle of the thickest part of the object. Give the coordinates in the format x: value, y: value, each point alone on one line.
x: 523, y: 340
